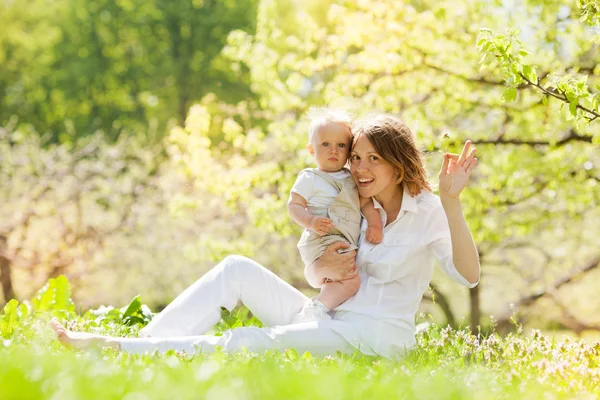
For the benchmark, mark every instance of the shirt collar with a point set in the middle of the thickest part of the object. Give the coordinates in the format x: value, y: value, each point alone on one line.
x: 409, y: 203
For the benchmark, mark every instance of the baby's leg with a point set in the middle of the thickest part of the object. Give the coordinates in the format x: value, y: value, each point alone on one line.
x: 335, y: 293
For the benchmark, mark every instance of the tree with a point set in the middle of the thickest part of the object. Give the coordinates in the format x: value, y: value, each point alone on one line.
x: 567, y: 84
x: 60, y: 204
x: 72, y: 67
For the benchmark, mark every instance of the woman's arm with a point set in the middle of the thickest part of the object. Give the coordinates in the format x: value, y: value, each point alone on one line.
x: 331, y: 265
x: 454, y: 177
x: 464, y: 251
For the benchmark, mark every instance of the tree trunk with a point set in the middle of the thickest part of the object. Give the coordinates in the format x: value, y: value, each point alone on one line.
x: 475, y: 309
x: 6, y: 280
x: 441, y: 300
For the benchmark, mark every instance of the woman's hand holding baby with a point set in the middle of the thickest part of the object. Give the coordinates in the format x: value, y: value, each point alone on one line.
x: 321, y: 225
x: 332, y: 265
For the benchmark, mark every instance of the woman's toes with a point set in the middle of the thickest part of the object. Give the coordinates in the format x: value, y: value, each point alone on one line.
x: 57, y: 326
x: 80, y: 340
x: 61, y: 332
x: 63, y: 338
x: 62, y: 335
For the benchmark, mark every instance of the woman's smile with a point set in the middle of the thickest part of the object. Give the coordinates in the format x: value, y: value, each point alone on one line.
x: 365, y: 182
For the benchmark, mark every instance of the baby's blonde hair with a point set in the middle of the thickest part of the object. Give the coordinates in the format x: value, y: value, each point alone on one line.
x: 322, y: 116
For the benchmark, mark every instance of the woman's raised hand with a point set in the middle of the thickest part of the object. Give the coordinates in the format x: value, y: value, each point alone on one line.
x: 456, y: 171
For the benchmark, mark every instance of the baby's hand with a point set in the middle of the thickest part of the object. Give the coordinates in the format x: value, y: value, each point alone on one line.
x: 321, y: 225
x: 374, y: 235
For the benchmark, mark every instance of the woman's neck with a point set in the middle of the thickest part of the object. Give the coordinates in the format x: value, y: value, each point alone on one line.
x: 391, y: 200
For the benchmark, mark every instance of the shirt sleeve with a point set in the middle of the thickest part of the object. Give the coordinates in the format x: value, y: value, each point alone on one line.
x: 437, y: 235
x: 304, y: 185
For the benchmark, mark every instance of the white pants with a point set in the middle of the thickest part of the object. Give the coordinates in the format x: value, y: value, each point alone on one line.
x: 181, y: 325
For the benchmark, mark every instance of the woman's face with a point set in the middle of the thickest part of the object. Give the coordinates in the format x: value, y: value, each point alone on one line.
x: 374, y: 176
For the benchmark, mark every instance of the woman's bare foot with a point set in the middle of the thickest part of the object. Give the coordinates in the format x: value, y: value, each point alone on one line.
x: 81, y: 340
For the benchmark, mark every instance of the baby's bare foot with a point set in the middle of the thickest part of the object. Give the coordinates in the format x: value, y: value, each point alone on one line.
x: 80, y: 340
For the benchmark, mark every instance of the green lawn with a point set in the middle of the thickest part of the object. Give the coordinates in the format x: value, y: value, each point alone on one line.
x: 447, y: 364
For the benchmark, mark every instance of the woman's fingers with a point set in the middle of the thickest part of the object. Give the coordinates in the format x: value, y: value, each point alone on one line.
x: 337, y: 246
x: 463, y: 155
x: 452, y: 160
x: 351, y: 272
x: 471, y: 166
x: 350, y: 255
x: 470, y: 159
x: 445, y: 164
x: 472, y: 154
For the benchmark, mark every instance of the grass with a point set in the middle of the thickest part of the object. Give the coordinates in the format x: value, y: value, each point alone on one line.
x: 447, y: 364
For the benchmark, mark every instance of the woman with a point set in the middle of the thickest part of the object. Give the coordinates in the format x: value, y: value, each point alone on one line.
x: 379, y: 320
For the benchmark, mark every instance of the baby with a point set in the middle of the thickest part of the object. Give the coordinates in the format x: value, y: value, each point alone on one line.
x: 325, y: 201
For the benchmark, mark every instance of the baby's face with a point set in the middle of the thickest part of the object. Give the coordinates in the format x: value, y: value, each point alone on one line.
x: 330, y: 145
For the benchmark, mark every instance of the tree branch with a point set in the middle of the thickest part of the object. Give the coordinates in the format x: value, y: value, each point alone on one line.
x: 569, y: 319
x: 560, y: 96
x: 504, y: 320
x: 571, y: 137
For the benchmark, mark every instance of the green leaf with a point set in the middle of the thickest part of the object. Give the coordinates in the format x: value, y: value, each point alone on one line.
x: 54, y: 296
x: 43, y: 300
x: 530, y: 73
x: 131, y: 320
x: 291, y: 354
x: 596, y: 101
x: 10, y: 319
x: 510, y: 94
x: 23, y: 310
x: 135, y: 305
x: 62, y: 298
x: 573, y: 108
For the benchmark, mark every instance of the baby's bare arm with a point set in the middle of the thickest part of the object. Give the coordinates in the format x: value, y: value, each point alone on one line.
x: 301, y: 215
x: 370, y: 212
x: 375, y: 227
x: 298, y: 211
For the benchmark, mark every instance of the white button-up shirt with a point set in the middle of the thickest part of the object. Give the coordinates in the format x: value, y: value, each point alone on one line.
x: 394, y: 275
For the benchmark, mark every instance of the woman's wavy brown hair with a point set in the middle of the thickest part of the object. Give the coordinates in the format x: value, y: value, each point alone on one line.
x: 395, y: 143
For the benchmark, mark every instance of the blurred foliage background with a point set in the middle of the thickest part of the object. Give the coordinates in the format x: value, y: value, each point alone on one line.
x: 142, y: 141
